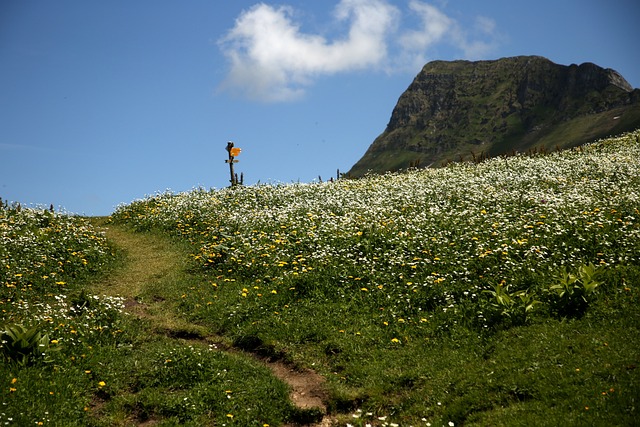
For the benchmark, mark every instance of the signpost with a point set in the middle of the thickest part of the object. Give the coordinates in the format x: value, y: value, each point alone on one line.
x: 233, y: 153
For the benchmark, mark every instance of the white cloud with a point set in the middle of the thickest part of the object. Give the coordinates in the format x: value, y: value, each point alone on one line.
x: 438, y: 28
x: 479, y: 41
x: 485, y: 25
x: 415, y: 44
x: 435, y: 25
x: 271, y: 59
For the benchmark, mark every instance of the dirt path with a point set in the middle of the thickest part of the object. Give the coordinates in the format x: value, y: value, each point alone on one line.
x: 150, y: 259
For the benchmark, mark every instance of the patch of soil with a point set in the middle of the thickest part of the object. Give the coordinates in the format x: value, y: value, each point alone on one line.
x: 307, y: 387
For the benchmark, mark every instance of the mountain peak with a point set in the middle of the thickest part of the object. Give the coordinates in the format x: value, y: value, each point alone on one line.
x: 454, y: 109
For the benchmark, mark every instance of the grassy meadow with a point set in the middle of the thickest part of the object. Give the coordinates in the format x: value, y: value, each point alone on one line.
x: 72, y: 357
x: 499, y: 293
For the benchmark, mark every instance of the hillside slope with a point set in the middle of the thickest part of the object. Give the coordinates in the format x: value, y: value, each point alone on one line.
x: 499, y: 294
x: 461, y: 109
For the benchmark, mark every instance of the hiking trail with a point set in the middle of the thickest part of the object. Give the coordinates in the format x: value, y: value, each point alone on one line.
x: 151, y: 258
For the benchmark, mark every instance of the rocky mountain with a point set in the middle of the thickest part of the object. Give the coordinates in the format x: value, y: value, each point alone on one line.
x: 460, y: 110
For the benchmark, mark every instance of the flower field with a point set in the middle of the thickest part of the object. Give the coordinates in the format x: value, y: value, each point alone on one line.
x: 71, y: 358
x: 500, y: 293
x: 44, y: 257
x: 47, y: 320
x: 421, y: 245
x: 41, y: 251
x: 386, y: 270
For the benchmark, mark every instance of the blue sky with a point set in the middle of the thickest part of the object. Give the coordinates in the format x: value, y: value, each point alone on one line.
x: 104, y: 102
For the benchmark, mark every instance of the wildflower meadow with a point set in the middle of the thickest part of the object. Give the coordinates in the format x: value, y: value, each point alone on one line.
x: 479, y: 245
x: 71, y: 357
x: 379, y: 283
x: 49, y: 324
x: 499, y: 293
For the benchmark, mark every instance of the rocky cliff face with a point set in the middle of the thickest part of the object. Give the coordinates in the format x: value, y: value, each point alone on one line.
x: 459, y: 109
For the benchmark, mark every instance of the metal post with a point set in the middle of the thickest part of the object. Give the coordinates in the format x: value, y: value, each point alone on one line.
x: 230, y: 161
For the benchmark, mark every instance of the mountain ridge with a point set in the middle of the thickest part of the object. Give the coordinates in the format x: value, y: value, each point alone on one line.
x: 455, y: 110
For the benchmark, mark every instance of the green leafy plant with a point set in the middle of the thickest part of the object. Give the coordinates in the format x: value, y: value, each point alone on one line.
x: 25, y: 346
x: 515, y: 306
x: 572, y: 292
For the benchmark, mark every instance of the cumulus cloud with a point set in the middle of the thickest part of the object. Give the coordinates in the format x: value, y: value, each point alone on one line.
x: 271, y: 59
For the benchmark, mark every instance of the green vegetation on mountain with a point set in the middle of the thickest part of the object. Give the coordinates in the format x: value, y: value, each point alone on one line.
x: 463, y: 110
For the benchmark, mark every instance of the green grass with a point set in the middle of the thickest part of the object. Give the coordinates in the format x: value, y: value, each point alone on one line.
x: 155, y: 379
x: 178, y: 384
x: 504, y: 293
x: 103, y: 367
x: 389, y: 286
